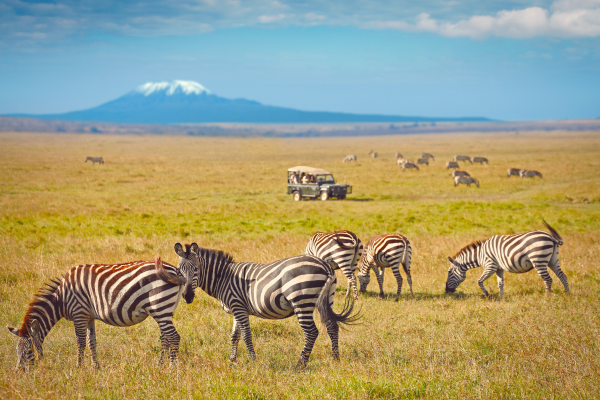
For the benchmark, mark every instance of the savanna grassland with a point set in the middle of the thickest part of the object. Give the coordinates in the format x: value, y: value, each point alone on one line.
x: 229, y: 193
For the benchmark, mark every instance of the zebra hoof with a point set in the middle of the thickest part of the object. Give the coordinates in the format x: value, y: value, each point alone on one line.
x: 397, y: 298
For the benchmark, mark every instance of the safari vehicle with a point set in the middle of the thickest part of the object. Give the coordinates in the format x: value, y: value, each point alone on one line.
x: 319, y: 184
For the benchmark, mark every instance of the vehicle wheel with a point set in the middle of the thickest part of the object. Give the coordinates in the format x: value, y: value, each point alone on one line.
x: 297, y: 196
x: 324, y: 196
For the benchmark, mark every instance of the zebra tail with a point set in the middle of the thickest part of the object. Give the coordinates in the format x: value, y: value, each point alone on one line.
x: 162, y: 273
x: 328, y: 316
x: 554, y: 234
x: 343, y: 246
x: 404, y: 255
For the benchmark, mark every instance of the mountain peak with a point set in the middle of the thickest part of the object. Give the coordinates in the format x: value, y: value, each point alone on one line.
x: 171, y: 88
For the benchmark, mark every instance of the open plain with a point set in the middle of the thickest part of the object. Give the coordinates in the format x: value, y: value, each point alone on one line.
x: 230, y: 193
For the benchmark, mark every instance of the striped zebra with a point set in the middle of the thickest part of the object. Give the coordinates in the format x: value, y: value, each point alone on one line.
x: 463, y: 158
x: 423, y: 161
x: 399, y: 155
x: 513, y: 171
x: 513, y: 253
x: 350, y: 158
x: 480, y: 160
x: 292, y: 286
x: 342, y: 250
x: 467, y: 180
x: 427, y: 155
x: 385, y: 251
x: 456, y: 173
x: 409, y: 165
x: 452, y: 164
x: 95, y: 160
x: 525, y: 173
x: 116, y: 294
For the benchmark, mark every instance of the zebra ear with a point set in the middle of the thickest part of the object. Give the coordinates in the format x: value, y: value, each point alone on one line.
x: 194, y: 247
x: 179, y: 250
x: 451, y: 260
x: 12, y: 330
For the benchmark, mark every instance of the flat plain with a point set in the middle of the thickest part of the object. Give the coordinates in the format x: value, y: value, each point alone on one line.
x: 230, y: 193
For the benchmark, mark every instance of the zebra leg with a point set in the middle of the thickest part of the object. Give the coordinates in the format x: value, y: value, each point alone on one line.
x: 81, y: 327
x: 91, y: 342
x: 169, y: 339
x: 555, y: 267
x: 235, y: 339
x: 333, y: 331
x: 164, y: 344
x: 379, y: 275
x: 396, y: 272
x: 542, y: 270
x: 351, y: 283
x: 307, y: 323
x: 241, y: 317
x: 487, y: 272
x: 500, y: 279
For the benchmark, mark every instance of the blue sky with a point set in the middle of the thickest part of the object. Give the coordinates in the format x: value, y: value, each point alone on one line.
x: 509, y: 60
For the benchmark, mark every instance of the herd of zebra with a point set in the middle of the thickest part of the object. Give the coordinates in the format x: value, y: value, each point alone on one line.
x: 126, y: 294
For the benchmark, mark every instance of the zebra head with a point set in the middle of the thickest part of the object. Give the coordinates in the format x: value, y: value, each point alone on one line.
x: 456, y: 275
x: 29, y: 345
x: 189, y: 265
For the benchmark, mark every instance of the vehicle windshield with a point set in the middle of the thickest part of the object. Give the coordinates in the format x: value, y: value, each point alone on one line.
x: 325, y: 178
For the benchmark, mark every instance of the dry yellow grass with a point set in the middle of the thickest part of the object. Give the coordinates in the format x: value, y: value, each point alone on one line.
x: 56, y: 211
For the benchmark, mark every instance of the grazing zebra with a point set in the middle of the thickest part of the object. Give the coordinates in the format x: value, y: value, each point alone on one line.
x: 402, y: 161
x: 452, y: 164
x: 513, y: 171
x: 95, y: 160
x: 466, y: 180
x: 427, y: 155
x: 385, y: 251
x: 513, y: 253
x: 409, y: 165
x: 524, y: 173
x: 374, y: 155
x: 463, y: 158
x: 341, y: 249
x: 350, y: 158
x: 456, y: 173
x: 480, y: 160
x: 398, y: 155
x: 116, y: 294
x: 292, y: 286
x: 423, y: 161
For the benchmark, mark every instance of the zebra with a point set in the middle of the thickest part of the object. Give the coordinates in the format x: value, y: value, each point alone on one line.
x: 350, y: 158
x: 463, y: 158
x: 427, y: 155
x: 341, y: 249
x: 385, y: 251
x: 513, y: 171
x: 398, y: 155
x: 452, y: 164
x: 295, y: 285
x: 116, y: 294
x: 409, y: 165
x: 374, y: 155
x: 513, y: 253
x: 480, y: 160
x: 95, y: 160
x: 524, y: 173
x: 423, y: 161
x: 402, y: 161
x: 456, y: 173
x: 466, y: 180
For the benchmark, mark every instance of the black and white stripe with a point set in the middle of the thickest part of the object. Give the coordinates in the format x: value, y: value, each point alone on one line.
x: 281, y: 289
x: 512, y: 253
x: 116, y: 294
x: 341, y: 249
x: 385, y: 251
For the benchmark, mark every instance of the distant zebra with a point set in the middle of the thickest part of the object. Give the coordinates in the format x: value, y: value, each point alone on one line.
x: 423, y: 161
x: 95, y: 160
x: 402, y: 161
x: 116, y: 294
x: 278, y: 290
x: 350, y: 158
x: 398, y: 155
x: 385, y: 251
x: 513, y: 253
x: 427, y: 155
x: 467, y: 180
x: 374, y: 155
x: 410, y: 165
x: 524, y: 173
x: 452, y: 164
x: 463, y: 158
x: 480, y: 160
x: 513, y: 171
x: 342, y: 250
x: 456, y: 173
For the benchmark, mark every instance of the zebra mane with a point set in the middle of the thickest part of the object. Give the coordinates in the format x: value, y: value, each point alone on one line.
x: 475, y: 243
x: 219, y: 255
x: 44, y: 295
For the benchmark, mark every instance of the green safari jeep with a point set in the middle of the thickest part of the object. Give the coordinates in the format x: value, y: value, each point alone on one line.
x: 314, y: 183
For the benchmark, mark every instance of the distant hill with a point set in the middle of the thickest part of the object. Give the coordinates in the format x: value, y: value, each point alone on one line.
x: 190, y: 102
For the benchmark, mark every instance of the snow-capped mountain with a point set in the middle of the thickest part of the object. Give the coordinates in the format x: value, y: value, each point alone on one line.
x: 190, y: 102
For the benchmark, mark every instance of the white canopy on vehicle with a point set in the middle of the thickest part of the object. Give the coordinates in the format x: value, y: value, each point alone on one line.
x: 309, y: 170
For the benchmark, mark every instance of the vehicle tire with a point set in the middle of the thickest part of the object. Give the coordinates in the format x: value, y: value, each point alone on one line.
x: 324, y: 196
x: 297, y: 196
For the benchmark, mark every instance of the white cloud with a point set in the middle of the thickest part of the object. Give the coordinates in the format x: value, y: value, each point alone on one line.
x: 267, y: 19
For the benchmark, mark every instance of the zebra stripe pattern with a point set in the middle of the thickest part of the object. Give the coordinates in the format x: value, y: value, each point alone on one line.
x: 116, y: 294
x: 512, y: 253
x: 386, y: 251
x: 292, y: 286
x: 341, y: 250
